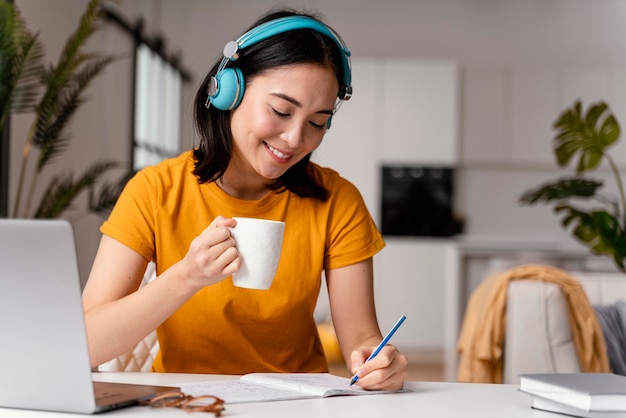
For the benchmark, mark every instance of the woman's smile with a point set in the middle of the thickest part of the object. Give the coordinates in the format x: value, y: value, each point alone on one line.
x: 277, y: 155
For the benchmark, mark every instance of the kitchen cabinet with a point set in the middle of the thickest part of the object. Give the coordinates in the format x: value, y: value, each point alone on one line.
x: 531, y: 109
x: 587, y: 84
x: 419, y: 109
x: 508, y: 113
x: 411, y: 277
x: 534, y: 109
x: 484, y: 116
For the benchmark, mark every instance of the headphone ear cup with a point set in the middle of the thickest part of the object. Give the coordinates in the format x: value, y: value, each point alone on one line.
x: 229, y: 90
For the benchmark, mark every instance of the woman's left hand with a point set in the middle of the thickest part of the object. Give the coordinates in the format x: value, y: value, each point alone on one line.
x: 386, y: 371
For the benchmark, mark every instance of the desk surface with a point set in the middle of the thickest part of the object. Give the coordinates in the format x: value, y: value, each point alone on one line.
x: 428, y: 399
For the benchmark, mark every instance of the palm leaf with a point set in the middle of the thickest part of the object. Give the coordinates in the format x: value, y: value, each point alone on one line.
x: 64, y: 84
x: 68, y: 59
x: 21, y: 54
x: 50, y: 138
x: 27, y: 88
x: 101, y: 202
x: 86, y: 28
x: 57, y: 78
x: 22, y: 77
x: 63, y: 189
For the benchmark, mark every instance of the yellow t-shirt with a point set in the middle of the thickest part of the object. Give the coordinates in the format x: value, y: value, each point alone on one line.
x: 231, y: 330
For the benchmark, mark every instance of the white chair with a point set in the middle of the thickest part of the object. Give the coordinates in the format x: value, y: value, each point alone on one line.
x: 538, y: 336
x: 140, y: 358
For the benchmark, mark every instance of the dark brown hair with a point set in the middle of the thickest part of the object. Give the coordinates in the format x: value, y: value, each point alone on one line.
x: 214, y: 150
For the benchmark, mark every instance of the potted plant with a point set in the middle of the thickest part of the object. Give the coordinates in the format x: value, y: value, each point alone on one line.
x: 598, y: 219
x: 52, y: 94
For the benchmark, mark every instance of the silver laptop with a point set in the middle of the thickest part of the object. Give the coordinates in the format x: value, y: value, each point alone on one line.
x: 43, y: 343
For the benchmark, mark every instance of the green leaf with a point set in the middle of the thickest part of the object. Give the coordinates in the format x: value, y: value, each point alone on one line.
x: 49, y: 137
x: 53, y: 93
x: 561, y: 190
x: 587, y: 135
x: 602, y: 232
x: 65, y: 83
x: 102, y: 201
x: 63, y: 189
x: 610, y: 131
x: 21, y: 54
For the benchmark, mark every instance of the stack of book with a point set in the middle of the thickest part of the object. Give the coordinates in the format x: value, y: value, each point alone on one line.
x: 588, y: 395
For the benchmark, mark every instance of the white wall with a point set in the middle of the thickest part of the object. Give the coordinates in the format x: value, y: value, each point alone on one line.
x: 485, y: 37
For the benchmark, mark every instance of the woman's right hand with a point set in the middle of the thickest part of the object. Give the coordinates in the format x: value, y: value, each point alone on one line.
x: 111, y: 294
x: 212, y: 255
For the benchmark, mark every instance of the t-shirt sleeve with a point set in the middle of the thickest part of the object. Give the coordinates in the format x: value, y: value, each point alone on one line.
x: 353, y: 236
x: 132, y: 220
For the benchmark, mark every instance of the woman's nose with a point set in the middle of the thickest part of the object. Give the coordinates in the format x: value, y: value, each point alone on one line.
x: 293, y: 135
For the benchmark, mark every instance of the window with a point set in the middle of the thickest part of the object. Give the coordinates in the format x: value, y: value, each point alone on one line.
x: 157, y: 96
x: 158, y: 87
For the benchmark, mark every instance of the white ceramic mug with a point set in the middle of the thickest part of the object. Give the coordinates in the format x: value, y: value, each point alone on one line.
x: 259, y: 242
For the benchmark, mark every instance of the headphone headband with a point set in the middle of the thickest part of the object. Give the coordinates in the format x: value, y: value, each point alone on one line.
x: 259, y: 33
x: 286, y: 24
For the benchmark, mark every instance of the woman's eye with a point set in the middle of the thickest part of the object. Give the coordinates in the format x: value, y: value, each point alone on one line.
x: 280, y: 114
x: 314, y: 125
x: 317, y: 125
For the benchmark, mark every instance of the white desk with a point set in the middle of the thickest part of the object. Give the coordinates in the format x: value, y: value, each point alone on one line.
x: 429, y: 399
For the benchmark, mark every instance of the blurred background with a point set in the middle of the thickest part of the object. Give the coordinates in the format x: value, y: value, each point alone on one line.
x: 450, y: 122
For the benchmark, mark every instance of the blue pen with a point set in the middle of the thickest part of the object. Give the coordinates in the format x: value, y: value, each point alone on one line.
x: 383, y: 343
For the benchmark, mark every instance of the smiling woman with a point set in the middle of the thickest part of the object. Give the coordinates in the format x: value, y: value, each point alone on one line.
x: 260, y: 113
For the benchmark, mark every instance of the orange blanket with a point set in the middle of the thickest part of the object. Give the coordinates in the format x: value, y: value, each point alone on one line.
x: 481, y: 340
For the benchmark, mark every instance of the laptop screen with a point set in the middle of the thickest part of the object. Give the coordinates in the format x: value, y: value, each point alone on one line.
x: 44, y: 343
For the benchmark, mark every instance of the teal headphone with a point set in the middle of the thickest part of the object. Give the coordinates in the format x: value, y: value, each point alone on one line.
x: 226, y: 87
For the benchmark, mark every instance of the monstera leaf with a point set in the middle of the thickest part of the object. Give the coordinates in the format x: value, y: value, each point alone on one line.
x: 562, y: 189
x: 590, y: 135
x: 601, y: 231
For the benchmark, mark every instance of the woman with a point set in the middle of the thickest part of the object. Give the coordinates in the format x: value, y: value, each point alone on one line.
x: 252, y: 160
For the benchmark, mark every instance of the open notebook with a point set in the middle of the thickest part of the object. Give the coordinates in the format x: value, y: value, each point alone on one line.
x: 45, y: 359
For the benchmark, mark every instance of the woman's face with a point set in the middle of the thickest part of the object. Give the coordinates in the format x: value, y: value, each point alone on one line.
x: 281, y: 119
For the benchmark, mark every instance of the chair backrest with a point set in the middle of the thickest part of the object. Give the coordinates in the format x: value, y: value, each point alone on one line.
x: 141, y: 357
x: 538, y: 337
x: 602, y: 288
